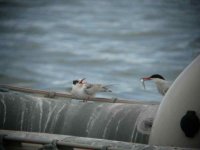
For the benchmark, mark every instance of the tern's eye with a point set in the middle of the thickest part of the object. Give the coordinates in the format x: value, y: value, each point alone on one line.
x: 75, y: 82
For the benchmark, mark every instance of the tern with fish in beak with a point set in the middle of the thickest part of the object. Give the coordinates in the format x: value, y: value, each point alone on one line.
x: 161, y: 84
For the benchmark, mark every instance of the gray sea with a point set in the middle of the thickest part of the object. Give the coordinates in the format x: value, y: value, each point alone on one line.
x: 45, y: 44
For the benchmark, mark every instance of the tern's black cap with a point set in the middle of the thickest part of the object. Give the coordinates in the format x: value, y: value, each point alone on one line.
x: 75, y: 82
x: 157, y: 76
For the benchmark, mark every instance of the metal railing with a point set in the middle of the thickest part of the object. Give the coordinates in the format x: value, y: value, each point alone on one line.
x: 58, y: 142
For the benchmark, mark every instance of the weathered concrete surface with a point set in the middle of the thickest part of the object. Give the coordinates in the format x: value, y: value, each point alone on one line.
x: 121, y: 122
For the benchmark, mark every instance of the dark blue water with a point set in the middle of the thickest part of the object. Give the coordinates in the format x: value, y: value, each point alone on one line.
x: 45, y: 44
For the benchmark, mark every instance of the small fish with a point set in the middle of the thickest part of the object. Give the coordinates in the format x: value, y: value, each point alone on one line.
x: 143, y: 84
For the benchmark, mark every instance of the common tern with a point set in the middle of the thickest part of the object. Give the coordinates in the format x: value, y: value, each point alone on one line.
x: 84, y: 90
x: 161, y: 84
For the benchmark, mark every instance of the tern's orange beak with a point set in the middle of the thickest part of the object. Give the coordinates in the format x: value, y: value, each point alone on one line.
x: 146, y: 78
x: 82, y: 80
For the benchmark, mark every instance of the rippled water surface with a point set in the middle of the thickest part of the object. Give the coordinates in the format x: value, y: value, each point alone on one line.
x: 45, y: 44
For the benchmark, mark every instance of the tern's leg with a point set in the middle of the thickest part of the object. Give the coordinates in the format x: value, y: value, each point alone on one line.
x: 87, y: 98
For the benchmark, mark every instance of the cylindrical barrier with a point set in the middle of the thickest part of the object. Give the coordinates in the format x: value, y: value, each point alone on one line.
x: 114, y: 121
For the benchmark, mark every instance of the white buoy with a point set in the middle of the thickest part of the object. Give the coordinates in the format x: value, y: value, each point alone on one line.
x: 177, y: 119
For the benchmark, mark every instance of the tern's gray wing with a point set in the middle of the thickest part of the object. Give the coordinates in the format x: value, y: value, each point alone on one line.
x: 165, y: 87
x: 89, y: 89
x: 92, y: 89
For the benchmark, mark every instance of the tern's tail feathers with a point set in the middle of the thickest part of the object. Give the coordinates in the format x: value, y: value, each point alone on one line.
x: 106, y: 88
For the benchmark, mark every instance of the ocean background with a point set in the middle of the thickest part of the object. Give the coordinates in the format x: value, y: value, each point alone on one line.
x: 45, y: 44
